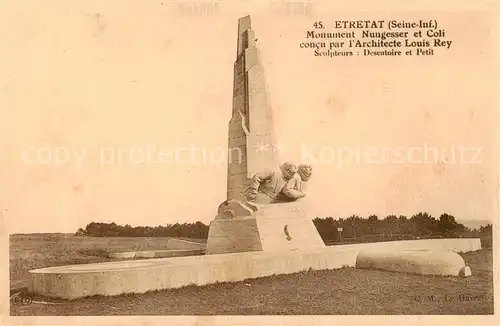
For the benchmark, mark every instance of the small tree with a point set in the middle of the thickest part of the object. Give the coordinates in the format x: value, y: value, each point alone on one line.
x: 80, y: 232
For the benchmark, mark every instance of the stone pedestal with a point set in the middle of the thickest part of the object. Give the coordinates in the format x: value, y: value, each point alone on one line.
x: 272, y: 227
x: 287, y: 226
x: 233, y: 235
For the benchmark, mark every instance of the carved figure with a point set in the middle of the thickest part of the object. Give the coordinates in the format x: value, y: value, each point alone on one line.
x: 298, y: 183
x: 268, y: 187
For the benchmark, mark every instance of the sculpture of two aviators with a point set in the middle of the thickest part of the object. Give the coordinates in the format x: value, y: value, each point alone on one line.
x: 285, y: 185
x: 288, y: 184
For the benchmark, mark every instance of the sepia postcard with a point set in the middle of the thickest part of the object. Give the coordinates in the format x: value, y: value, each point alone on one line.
x: 236, y: 162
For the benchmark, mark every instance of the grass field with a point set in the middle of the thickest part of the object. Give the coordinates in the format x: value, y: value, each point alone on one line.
x: 342, y: 291
x: 31, y: 251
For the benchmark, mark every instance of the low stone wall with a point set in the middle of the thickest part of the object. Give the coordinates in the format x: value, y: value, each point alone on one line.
x: 139, y: 276
x: 156, y: 253
x: 455, y: 244
x: 181, y: 244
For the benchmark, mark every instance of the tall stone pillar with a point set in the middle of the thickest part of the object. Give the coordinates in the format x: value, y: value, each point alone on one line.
x: 251, y: 134
x: 241, y: 225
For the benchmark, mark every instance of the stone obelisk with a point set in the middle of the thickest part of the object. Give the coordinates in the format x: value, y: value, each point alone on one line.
x: 251, y: 134
x: 241, y: 225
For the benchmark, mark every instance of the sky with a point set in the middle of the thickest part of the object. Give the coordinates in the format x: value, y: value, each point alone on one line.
x: 87, y: 90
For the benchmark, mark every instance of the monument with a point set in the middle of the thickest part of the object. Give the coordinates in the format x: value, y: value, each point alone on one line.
x: 263, y: 210
x: 262, y: 228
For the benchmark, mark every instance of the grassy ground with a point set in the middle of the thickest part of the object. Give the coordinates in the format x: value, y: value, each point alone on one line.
x: 342, y: 291
x: 31, y: 251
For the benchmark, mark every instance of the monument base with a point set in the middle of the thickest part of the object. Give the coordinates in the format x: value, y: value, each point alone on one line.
x: 139, y: 276
x: 273, y: 227
x: 233, y: 235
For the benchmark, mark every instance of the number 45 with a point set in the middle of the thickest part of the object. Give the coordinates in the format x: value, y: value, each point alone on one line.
x: 318, y: 25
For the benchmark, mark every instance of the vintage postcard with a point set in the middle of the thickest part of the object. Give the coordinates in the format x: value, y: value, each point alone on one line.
x: 233, y: 162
